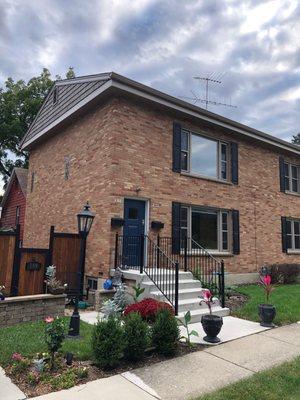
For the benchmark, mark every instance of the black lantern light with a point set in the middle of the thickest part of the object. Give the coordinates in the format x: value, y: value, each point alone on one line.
x: 85, y: 220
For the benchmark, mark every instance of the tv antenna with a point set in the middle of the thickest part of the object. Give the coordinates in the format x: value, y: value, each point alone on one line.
x: 212, y: 78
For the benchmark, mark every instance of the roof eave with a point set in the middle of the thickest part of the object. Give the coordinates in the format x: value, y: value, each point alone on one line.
x: 135, y: 88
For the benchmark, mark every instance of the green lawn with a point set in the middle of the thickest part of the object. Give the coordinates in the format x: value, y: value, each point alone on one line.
x: 286, y: 299
x: 28, y: 339
x: 280, y: 383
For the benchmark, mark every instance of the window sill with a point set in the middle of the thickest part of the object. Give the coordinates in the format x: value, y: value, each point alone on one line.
x: 206, y: 178
x: 290, y: 251
x: 292, y: 193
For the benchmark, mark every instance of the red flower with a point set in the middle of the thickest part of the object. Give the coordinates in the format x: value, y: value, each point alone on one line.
x: 267, y: 280
x: 206, y: 295
x: 49, y: 319
x: 147, y: 308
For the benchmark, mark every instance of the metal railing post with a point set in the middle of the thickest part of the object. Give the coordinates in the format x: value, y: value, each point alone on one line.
x: 142, y: 253
x: 116, y: 250
x: 176, y: 287
x: 222, y: 278
x: 157, y: 251
x: 185, y: 254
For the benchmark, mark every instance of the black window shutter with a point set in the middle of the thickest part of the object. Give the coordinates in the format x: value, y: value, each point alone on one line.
x: 281, y: 174
x: 234, y: 163
x: 176, y: 227
x: 283, y: 234
x: 176, y: 147
x: 235, y: 232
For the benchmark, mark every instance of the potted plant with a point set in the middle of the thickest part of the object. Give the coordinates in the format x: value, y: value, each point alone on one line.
x: 211, y: 324
x: 267, y: 312
x: 2, y: 295
x: 54, y: 286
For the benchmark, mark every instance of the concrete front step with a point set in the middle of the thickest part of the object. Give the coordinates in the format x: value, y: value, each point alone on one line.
x: 196, y: 315
x: 183, y: 284
x: 193, y: 304
x: 182, y: 294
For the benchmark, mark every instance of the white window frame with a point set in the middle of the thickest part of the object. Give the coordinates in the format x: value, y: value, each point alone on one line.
x: 218, y: 156
x: 290, y: 178
x: 293, y: 235
x: 220, y: 213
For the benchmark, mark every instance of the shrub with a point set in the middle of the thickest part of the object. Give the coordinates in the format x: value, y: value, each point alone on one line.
x: 54, y: 335
x: 65, y: 380
x: 148, y: 308
x: 107, y: 342
x: 81, y: 372
x: 135, y: 337
x: 284, y: 273
x: 165, y: 333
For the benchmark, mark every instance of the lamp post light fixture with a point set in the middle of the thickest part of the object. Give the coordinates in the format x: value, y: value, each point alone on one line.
x: 85, y: 221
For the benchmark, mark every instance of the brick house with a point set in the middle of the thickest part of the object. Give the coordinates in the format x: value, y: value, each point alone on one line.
x: 14, y: 201
x: 158, y: 164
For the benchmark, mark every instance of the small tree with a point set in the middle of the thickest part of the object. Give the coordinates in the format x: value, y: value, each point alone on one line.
x: 165, y: 333
x: 135, y: 337
x: 107, y: 342
x: 55, y: 332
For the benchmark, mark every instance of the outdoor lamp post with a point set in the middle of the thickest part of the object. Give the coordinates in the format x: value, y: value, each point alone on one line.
x: 85, y: 220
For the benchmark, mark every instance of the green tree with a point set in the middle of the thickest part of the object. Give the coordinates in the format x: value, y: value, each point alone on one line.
x: 19, y: 104
x: 296, y: 139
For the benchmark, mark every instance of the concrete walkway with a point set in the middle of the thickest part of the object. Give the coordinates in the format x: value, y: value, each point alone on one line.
x: 191, y: 375
x: 8, y: 390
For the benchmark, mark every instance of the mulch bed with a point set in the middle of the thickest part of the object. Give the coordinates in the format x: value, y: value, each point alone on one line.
x: 236, y: 301
x: 96, y: 373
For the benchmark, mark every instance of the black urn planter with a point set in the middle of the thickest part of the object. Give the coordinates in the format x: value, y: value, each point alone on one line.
x: 2, y: 297
x: 267, y: 313
x: 212, y: 325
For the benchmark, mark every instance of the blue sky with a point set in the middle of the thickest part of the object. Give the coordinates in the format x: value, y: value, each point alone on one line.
x: 255, y: 44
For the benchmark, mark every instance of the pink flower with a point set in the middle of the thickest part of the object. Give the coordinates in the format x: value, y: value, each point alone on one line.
x: 49, y: 319
x: 267, y: 280
x: 206, y: 295
x: 16, y: 357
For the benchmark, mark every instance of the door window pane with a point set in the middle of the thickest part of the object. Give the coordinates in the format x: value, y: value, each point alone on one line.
x: 184, y: 141
x: 133, y: 213
x: 205, y: 229
x: 204, y: 156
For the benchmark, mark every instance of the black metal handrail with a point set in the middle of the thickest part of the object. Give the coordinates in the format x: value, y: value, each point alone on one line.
x: 192, y: 257
x: 143, y: 254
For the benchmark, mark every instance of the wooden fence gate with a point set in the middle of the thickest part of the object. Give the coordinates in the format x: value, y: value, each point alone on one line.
x: 22, y: 270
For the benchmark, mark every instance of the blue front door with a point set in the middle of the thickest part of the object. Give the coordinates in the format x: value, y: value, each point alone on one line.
x: 134, y: 228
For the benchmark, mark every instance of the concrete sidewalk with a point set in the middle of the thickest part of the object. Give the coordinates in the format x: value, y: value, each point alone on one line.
x: 191, y: 375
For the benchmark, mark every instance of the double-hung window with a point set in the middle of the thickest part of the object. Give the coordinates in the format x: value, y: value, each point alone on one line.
x: 293, y: 234
x: 291, y: 178
x: 204, y: 156
x: 207, y: 227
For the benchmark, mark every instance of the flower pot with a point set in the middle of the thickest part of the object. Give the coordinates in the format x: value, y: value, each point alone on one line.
x: 267, y: 314
x: 59, y: 290
x: 212, y: 325
x: 2, y: 297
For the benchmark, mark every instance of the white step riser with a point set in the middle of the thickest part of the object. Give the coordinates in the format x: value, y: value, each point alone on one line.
x: 194, y: 306
x: 182, y: 285
x: 182, y: 296
x: 165, y: 276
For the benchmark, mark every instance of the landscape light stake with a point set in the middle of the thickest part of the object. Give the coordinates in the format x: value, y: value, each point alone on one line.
x: 85, y: 220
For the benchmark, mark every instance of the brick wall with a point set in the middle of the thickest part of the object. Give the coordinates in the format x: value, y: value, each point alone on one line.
x: 14, y: 310
x: 15, y: 198
x: 125, y: 145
